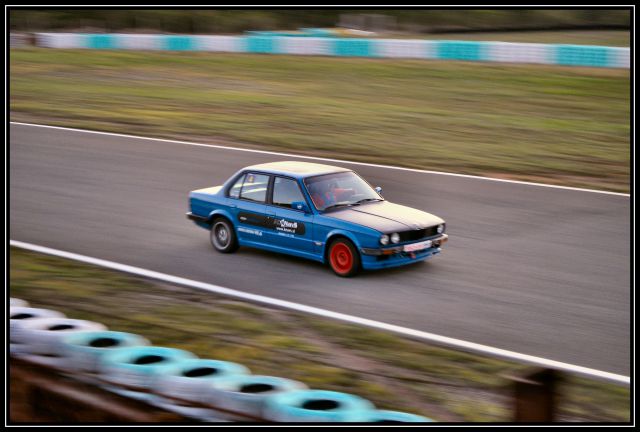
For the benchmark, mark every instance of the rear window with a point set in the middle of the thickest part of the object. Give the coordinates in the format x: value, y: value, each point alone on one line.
x: 254, y: 187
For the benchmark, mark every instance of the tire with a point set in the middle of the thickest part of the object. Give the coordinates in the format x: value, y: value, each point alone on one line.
x: 384, y: 416
x: 43, y: 336
x: 190, y: 379
x: 316, y: 406
x: 83, y: 350
x: 247, y: 394
x: 16, y: 302
x: 21, y: 315
x: 136, y: 367
x: 343, y: 258
x: 223, y: 236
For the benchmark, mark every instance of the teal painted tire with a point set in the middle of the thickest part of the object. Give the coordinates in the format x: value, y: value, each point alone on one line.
x: 383, y: 416
x: 317, y: 406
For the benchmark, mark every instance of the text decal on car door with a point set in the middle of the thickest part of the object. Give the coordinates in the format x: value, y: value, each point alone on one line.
x: 269, y: 222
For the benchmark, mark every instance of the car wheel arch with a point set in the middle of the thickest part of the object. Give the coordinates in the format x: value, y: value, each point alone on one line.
x: 333, y: 237
x: 221, y: 214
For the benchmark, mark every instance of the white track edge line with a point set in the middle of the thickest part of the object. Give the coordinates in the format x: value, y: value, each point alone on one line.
x: 417, y: 170
x: 443, y: 340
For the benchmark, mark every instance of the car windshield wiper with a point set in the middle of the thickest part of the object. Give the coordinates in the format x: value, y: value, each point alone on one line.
x: 338, y: 205
x: 368, y: 199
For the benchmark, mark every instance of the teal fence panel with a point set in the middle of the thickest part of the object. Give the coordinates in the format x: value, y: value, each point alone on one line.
x: 460, y: 50
x: 353, y: 47
x: 582, y: 55
x: 101, y: 41
x: 262, y: 44
x: 179, y: 43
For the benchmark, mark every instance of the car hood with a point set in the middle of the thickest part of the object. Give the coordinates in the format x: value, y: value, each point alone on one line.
x: 386, y: 217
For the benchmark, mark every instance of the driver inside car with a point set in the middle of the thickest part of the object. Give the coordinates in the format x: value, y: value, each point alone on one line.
x: 328, y: 195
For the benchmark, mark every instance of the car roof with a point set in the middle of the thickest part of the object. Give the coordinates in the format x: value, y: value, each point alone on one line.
x: 296, y: 169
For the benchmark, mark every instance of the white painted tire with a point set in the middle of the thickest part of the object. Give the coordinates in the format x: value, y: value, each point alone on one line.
x: 317, y: 406
x: 43, y: 336
x: 84, y: 350
x: 16, y: 302
x: 190, y: 379
x: 135, y: 367
x: 20, y: 315
x: 247, y: 394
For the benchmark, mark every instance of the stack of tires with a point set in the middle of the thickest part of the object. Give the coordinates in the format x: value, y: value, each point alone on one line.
x: 176, y: 380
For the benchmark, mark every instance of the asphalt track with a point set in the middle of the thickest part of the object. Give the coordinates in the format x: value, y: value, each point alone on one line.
x: 541, y: 271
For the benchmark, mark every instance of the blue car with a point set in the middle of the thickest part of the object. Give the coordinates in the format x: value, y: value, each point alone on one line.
x: 320, y: 212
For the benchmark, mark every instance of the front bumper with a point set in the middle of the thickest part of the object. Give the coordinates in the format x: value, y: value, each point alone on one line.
x: 394, y: 256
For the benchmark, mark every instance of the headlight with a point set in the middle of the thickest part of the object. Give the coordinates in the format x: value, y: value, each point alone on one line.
x: 440, y: 228
x: 384, y: 240
x: 395, y: 238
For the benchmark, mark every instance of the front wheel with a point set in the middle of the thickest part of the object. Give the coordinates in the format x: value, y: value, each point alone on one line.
x: 223, y: 237
x: 344, y: 259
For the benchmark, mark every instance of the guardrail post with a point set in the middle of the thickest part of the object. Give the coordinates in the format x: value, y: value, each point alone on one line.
x: 535, y: 395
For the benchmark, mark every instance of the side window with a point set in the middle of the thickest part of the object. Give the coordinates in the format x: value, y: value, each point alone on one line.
x: 286, y: 191
x: 254, y: 187
x: 234, y: 191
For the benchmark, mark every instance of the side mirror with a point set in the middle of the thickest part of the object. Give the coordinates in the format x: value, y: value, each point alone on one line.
x: 378, y: 189
x: 300, y: 205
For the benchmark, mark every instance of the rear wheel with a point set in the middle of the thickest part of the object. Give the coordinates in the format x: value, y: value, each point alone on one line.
x: 344, y: 259
x: 223, y: 237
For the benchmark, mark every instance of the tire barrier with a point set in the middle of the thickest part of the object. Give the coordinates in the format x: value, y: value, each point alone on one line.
x: 317, y: 43
x: 20, y: 315
x: 317, y: 406
x: 16, y: 302
x: 383, y: 416
x: 171, y: 378
x: 190, y: 379
x: 83, y: 351
x: 134, y: 367
x: 247, y: 394
x: 43, y: 336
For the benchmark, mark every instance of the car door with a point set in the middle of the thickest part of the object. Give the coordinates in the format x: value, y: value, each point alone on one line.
x: 292, y: 228
x: 248, y: 197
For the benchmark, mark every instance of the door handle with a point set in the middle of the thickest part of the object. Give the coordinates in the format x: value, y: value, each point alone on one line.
x: 233, y: 205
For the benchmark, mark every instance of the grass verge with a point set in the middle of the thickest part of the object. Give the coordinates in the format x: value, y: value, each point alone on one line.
x: 391, y: 371
x: 617, y: 38
x: 560, y: 125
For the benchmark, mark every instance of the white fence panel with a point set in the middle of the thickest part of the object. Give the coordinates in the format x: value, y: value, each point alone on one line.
x: 519, y: 52
x: 306, y: 46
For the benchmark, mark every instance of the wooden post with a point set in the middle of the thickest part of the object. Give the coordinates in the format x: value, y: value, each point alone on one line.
x: 535, y: 396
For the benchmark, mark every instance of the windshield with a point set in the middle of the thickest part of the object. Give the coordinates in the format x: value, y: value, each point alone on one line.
x: 339, y: 190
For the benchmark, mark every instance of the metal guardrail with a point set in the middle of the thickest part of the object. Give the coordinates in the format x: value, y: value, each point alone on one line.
x: 534, y: 53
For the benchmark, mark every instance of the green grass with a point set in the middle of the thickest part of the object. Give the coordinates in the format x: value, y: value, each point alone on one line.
x: 551, y: 124
x: 391, y: 371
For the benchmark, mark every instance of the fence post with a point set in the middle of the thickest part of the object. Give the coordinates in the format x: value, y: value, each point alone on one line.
x: 535, y: 395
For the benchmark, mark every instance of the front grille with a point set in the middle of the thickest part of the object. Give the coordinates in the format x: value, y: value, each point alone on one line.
x: 415, y: 235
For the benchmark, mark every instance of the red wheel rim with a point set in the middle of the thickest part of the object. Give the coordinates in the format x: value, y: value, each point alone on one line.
x: 341, y: 258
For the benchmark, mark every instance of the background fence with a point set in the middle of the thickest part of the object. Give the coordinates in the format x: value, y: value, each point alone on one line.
x: 554, y: 54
